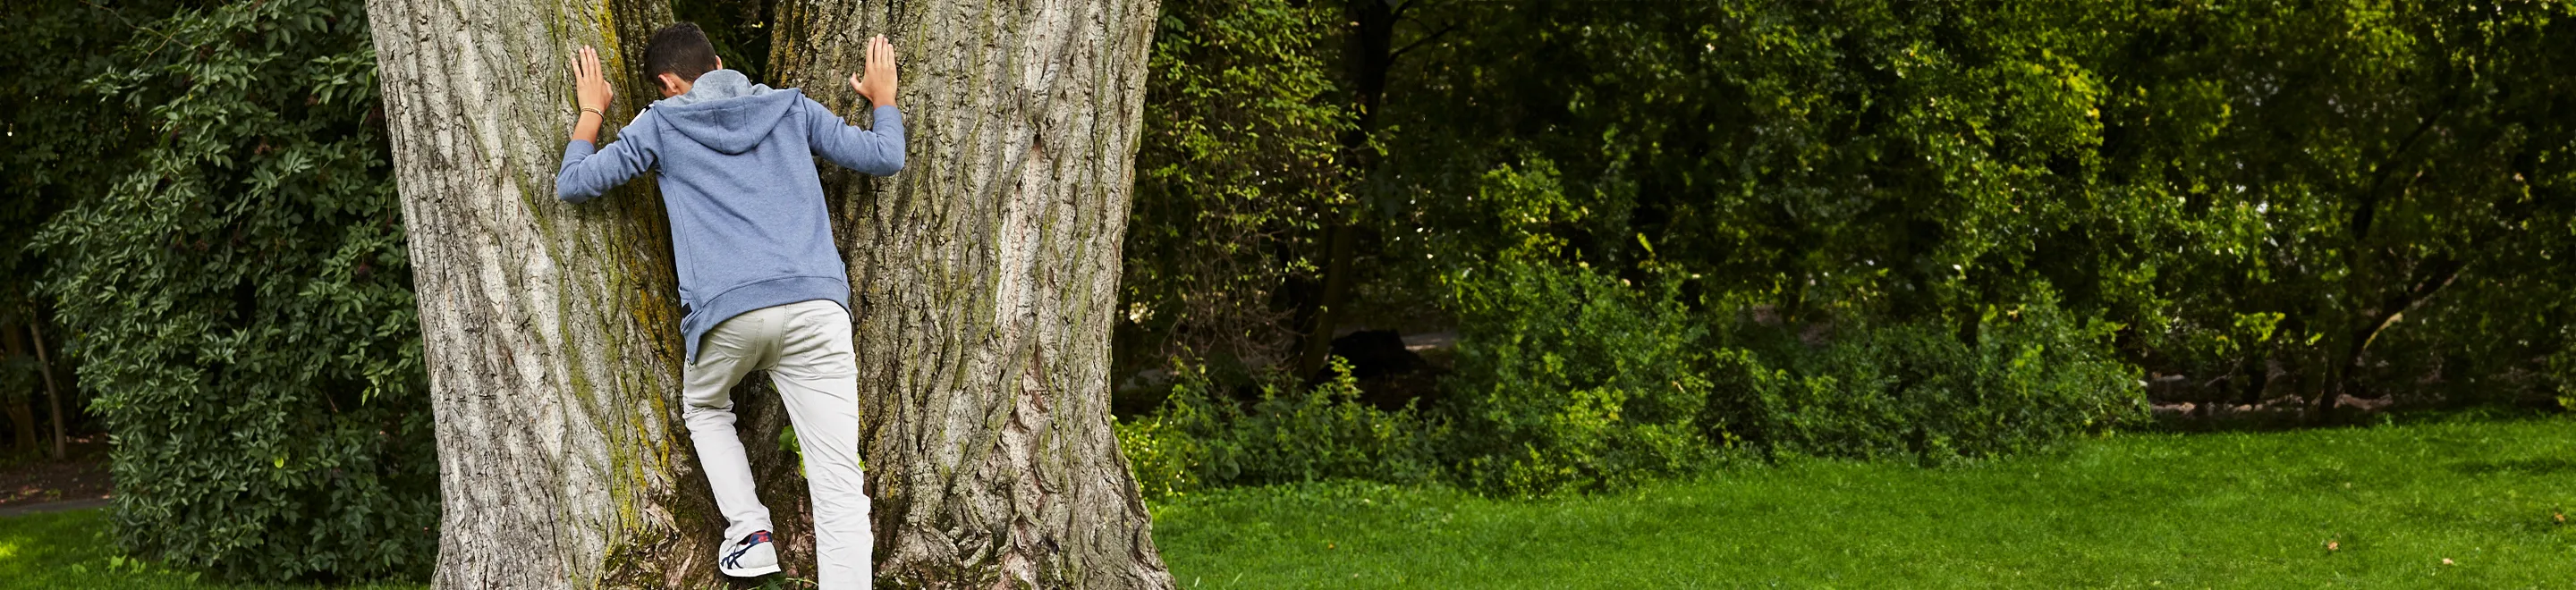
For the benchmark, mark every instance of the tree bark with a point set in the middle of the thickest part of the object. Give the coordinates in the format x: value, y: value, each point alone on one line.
x: 549, y: 330
x: 53, y: 395
x: 986, y: 277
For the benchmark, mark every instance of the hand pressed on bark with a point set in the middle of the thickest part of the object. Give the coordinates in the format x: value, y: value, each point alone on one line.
x: 878, y: 82
x: 591, y: 91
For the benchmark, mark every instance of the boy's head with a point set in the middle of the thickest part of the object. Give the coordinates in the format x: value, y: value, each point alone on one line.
x: 677, y: 55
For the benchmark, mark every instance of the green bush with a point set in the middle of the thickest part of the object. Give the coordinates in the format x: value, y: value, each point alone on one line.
x: 240, y: 297
x: 1569, y: 379
x: 1291, y: 433
x: 2034, y: 375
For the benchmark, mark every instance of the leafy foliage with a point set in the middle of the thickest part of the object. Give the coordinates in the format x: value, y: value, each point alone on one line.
x: 2257, y: 201
x: 242, y: 301
x: 1915, y: 391
x: 1236, y: 177
x: 2273, y: 199
x: 1566, y: 378
x: 1288, y: 434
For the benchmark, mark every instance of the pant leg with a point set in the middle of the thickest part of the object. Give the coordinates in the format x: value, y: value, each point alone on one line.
x: 731, y: 350
x: 817, y: 377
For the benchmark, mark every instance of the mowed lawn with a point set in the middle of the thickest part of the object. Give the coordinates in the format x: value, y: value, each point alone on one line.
x: 77, y: 549
x: 2131, y: 510
x: 2127, y: 511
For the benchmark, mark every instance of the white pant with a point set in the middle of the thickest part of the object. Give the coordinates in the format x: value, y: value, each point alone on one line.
x: 806, y: 349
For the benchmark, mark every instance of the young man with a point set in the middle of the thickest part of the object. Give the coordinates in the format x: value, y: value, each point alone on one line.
x: 762, y: 285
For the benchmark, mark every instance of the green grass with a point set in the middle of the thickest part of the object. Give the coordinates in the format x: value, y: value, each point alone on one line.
x: 77, y: 549
x: 2130, y: 511
x: 2180, y: 511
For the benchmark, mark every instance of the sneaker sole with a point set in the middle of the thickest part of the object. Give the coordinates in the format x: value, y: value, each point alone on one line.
x: 750, y: 571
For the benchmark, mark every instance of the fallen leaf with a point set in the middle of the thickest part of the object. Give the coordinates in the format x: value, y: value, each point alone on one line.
x: 2447, y: 561
x: 2333, y: 546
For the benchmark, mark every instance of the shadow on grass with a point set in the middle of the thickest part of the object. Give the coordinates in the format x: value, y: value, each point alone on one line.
x: 2535, y: 466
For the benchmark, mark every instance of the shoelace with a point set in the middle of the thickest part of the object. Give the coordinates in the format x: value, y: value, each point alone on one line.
x: 748, y: 541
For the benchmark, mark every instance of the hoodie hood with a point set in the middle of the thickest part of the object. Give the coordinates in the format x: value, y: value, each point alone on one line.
x: 724, y: 111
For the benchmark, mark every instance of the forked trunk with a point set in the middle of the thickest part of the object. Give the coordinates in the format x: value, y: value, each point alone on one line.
x: 986, y: 274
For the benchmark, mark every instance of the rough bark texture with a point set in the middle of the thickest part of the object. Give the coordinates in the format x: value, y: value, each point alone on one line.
x: 986, y: 276
x: 549, y: 329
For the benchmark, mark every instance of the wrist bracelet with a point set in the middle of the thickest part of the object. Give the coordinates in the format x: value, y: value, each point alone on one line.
x: 594, y: 112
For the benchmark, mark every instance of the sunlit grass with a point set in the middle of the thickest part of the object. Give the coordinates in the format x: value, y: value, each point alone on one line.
x: 2131, y: 511
x: 77, y: 549
x: 2138, y: 511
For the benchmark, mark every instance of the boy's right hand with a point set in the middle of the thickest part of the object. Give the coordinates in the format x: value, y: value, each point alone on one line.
x: 878, y: 84
x: 589, y: 87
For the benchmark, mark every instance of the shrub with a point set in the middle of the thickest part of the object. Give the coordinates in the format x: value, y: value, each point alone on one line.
x: 2035, y: 375
x: 1569, y: 379
x: 241, y: 299
x: 1291, y: 433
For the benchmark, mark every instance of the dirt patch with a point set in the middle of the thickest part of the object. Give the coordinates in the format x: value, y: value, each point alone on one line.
x: 36, y: 480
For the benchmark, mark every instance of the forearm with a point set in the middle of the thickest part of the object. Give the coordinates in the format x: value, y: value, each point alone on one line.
x: 590, y: 169
x: 587, y: 127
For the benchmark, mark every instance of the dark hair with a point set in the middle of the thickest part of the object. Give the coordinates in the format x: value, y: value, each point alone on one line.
x: 679, y: 50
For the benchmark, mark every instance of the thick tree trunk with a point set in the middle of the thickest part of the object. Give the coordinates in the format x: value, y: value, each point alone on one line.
x: 986, y: 277
x: 550, y: 330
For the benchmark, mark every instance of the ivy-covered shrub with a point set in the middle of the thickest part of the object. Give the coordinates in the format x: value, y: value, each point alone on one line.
x: 241, y: 299
x: 1291, y: 433
x: 1567, y: 378
x: 2034, y: 375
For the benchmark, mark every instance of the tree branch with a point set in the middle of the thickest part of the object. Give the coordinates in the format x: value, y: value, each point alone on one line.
x: 1399, y: 52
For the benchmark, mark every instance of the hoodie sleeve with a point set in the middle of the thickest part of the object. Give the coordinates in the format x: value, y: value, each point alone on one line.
x: 586, y: 174
x: 877, y: 150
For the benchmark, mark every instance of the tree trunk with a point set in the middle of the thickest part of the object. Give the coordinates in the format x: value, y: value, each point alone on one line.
x: 986, y: 277
x: 1372, y: 53
x: 549, y: 330
x: 53, y: 395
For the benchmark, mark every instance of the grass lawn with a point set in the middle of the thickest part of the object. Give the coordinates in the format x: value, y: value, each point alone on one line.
x: 77, y: 549
x: 2131, y: 511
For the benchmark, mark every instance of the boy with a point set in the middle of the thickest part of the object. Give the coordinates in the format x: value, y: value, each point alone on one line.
x: 761, y: 282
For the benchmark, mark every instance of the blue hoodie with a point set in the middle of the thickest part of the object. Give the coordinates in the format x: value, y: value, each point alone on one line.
x: 736, y: 162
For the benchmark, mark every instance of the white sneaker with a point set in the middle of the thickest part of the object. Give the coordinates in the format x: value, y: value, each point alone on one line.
x: 753, y: 555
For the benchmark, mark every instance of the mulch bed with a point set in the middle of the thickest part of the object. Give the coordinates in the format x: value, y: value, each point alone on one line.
x: 38, y: 479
